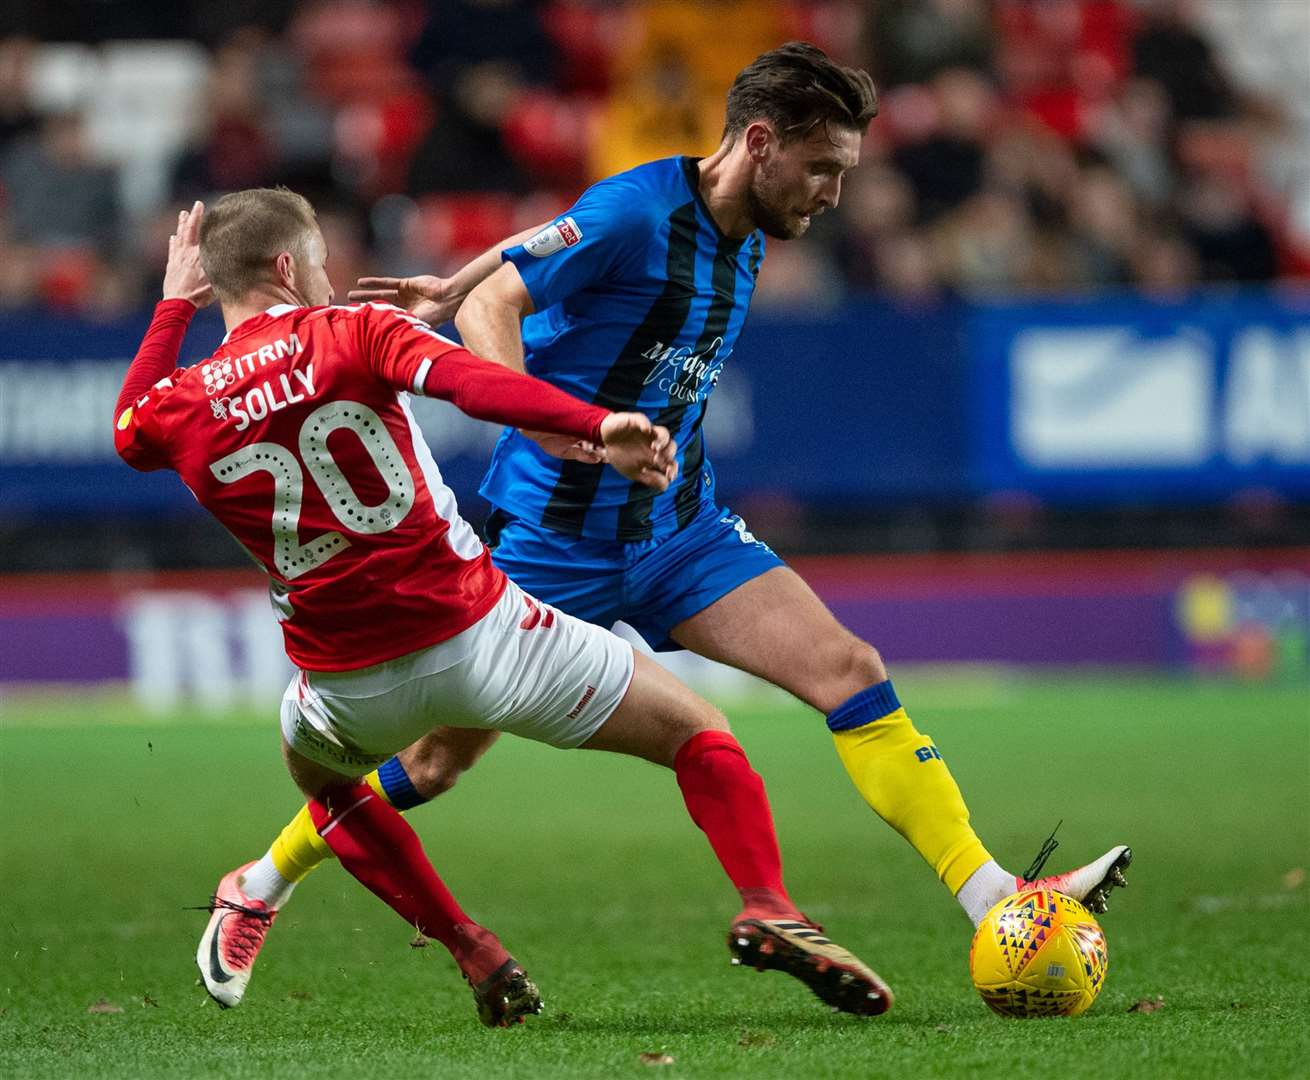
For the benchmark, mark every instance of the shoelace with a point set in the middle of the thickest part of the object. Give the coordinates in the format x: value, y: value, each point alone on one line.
x: 216, y: 902
x: 1048, y: 846
x: 246, y: 935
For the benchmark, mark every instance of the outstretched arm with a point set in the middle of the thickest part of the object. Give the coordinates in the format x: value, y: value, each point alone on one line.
x: 433, y: 299
x: 638, y: 449
x: 489, y: 322
x: 604, y: 231
x: 408, y: 355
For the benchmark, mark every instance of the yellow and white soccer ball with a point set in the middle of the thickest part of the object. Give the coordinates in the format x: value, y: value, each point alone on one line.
x: 1039, y: 953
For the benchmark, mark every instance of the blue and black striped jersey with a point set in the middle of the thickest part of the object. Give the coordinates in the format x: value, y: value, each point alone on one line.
x: 639, y: 300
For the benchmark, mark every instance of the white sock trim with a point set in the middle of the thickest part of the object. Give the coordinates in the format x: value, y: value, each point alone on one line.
x: 263, y: 882
x: 987, y: 886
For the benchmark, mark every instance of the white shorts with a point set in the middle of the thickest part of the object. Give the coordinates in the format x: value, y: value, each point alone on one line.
x: 524, y: 668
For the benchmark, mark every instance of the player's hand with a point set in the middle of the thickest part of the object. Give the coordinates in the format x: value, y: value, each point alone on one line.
x: 640, y: 450
x: 567, y: 447
x: 432, y: 299
x: 184, y: 277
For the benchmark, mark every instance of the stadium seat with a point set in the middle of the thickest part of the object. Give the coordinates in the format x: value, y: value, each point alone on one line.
x: 63, y: 77
x: 143, y: 108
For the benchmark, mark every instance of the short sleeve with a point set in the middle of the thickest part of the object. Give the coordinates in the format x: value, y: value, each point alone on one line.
x: 138, y: 436
x: 609, y: 224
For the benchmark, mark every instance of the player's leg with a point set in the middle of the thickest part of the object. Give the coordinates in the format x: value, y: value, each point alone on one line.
x: 717, y: 590
x: 775, y: 627
x: 379, y: 849
x: 663, y: 721
x: 382, y: 710
x: 428, y: 768
x: 553, y: 678
x: 243, y: 913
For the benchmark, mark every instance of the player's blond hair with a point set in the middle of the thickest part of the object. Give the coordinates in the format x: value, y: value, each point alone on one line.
x: 242, y: 235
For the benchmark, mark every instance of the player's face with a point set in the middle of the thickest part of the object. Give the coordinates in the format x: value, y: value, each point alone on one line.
x: 797, y: 180
x: 311, y: 273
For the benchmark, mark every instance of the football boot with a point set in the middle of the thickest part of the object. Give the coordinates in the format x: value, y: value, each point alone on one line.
x: 800, y: 949
x: 237, y: 927
x: 505, y: 996
x: 1090, y: 885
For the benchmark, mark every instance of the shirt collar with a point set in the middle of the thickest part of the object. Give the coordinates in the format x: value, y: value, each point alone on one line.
x: 273, y: 313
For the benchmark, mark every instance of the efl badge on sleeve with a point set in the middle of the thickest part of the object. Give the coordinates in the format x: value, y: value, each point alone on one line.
x: 562, y: 234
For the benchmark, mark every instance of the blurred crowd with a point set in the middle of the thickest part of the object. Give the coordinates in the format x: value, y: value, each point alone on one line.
x: 1024, y: 146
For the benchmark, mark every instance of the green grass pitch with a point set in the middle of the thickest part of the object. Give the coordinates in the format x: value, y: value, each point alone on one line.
x: 588, y: 868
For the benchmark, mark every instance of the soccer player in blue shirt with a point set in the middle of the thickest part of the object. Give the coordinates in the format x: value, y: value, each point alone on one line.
x: 634, y: 299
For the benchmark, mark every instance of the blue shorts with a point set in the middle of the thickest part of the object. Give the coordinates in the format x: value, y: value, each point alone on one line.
x: 652, y: 585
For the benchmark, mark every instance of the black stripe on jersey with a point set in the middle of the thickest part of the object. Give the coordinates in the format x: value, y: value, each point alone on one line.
x: 756, y: 256
x: 686, y: 499
x: 634, y: 515
x: 623, y: 383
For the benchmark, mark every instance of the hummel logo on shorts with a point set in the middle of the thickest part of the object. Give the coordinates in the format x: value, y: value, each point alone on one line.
x: 591, y: 691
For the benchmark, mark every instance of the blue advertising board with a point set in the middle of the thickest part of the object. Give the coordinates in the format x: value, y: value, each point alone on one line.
x: 1141, y: 401
x: 865, y: 402
x: 1105, y: 400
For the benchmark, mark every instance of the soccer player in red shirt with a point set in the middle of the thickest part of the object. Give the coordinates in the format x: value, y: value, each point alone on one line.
x: 297, y: 436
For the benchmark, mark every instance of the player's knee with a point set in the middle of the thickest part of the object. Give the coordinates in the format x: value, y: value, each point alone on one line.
x: 433, y: 775
x: 694, y: 721
x: 711, y: 719
x: 854, y: 666
x: 865, y: 665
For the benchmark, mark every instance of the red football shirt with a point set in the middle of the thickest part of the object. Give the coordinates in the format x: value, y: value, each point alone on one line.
x: 297, y: 436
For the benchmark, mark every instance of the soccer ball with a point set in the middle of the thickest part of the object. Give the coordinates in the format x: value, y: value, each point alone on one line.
x: 1038, y: 953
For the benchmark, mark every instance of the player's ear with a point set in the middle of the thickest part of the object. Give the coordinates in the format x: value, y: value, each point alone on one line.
x: 285, y: 265
x: 759, y: 138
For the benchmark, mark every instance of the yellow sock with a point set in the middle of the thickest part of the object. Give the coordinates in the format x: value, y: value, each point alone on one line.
x: 299, y: 848
x: 374, y: 781
x: 904, y: 779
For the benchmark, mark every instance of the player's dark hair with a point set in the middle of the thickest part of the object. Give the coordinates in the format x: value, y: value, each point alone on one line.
x: 796, y: 87
x: 245, y: 231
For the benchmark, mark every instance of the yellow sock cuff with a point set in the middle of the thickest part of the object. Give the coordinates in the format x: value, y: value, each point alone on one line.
x: 374, y: 781
x: 393, y: 785
x: 902, y: 776
x: 299, y: 848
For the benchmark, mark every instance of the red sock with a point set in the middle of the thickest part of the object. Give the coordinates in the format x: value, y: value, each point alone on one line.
x: 385, y: 855
x: 726, y: 798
